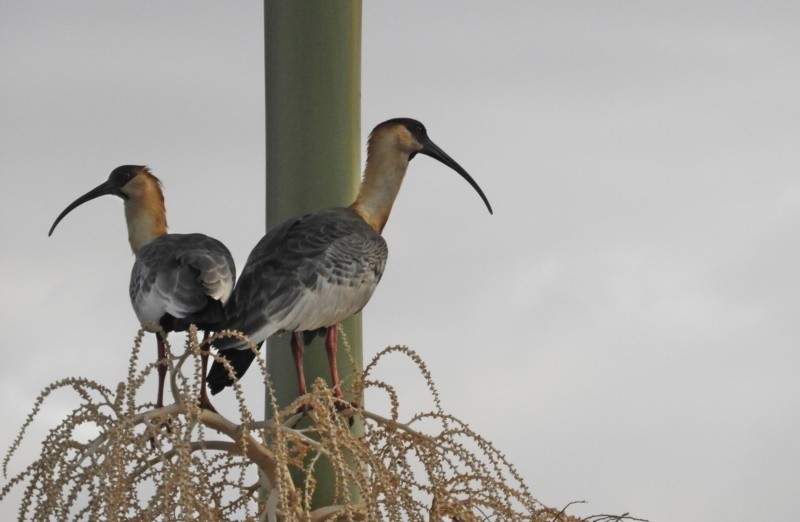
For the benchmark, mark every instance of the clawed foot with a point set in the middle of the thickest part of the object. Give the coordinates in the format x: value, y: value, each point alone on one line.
x: 345, y: 407
x: 301, y: 413
x: 152, y: 427
x: 205, y: 404
x: 340, y: 405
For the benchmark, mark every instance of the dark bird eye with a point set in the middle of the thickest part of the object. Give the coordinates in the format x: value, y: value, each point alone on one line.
x: 419, y: 129
x: 120, y: 176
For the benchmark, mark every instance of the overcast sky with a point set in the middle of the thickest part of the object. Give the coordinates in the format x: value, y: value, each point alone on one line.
x: 625, y: 327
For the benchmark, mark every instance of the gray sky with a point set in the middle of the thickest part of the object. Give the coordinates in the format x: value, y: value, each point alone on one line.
x: 625, y: 324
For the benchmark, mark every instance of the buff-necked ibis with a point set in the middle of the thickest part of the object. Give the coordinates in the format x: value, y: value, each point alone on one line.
x: 317, y: 270
x: 177, y: 279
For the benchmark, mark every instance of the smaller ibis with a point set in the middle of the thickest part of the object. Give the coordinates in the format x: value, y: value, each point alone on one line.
x: 315, y: 271
x: 177, y: 279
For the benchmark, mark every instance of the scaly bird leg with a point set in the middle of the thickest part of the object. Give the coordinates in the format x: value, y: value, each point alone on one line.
x: 297, y: 351
x: 162, y: 370
x: 205, y: 403
x: 161, y: 365
x: 331, y: 342
x: 298, y: 348
x: 331, y: 346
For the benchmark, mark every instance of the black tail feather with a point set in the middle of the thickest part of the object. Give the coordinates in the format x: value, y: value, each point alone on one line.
x: 210, y: 318
x: 241, y: 360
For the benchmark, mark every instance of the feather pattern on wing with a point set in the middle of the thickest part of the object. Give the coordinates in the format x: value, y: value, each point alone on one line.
x: 165, y: 277
x: 313, y: 271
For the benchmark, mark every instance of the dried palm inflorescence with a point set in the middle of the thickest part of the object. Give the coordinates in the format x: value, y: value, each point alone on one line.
x: 183, y: 463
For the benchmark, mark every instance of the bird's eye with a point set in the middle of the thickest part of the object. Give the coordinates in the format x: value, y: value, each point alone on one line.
x: 419, y: 129
x: 122, y: 175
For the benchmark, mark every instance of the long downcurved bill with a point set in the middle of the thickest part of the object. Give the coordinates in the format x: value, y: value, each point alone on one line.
x: 100, y: 190
x: 429, y: 148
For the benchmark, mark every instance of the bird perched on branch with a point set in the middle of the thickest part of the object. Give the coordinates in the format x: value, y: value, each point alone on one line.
x: 177, y: 279
x: 317, y: 270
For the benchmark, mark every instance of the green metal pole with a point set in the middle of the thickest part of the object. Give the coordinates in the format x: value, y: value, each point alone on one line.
x: 313, y: 94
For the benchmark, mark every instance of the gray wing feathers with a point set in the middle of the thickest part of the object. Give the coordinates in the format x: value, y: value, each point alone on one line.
x: 314, y: 270
x: 215, y: 272
x: 167, y: 271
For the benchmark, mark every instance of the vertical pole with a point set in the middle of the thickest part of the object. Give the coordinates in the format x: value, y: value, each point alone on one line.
x: 313, y: 91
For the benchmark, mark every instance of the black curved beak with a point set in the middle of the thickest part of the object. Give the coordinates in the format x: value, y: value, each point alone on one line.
x: 429, y: 148
x: 101, y: 190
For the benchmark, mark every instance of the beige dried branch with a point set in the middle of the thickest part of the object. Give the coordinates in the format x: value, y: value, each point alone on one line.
x: 160, y: 464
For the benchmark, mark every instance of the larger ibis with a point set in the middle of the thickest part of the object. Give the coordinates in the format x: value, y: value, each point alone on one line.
x: 317, y: 270
x: 177, y: 279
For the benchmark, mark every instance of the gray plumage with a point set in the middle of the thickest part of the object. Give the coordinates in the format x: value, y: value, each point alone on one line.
x: 179, y: 279
x: 318, y: 270
x: 307, y: 273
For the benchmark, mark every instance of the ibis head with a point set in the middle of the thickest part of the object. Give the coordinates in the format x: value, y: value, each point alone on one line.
x: 414, y: 138
x: 144, y: 202
x: 392, y: 145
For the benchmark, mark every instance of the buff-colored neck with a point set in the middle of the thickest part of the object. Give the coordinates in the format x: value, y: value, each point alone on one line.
x: 383, y: 175
x: 144, y: 210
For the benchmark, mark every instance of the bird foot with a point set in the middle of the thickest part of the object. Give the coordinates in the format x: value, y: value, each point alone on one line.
x: 346, y: 408
x: 341, y: 406
x: 301, y: 413
x: 155, y: 428
x: 205, y: 403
